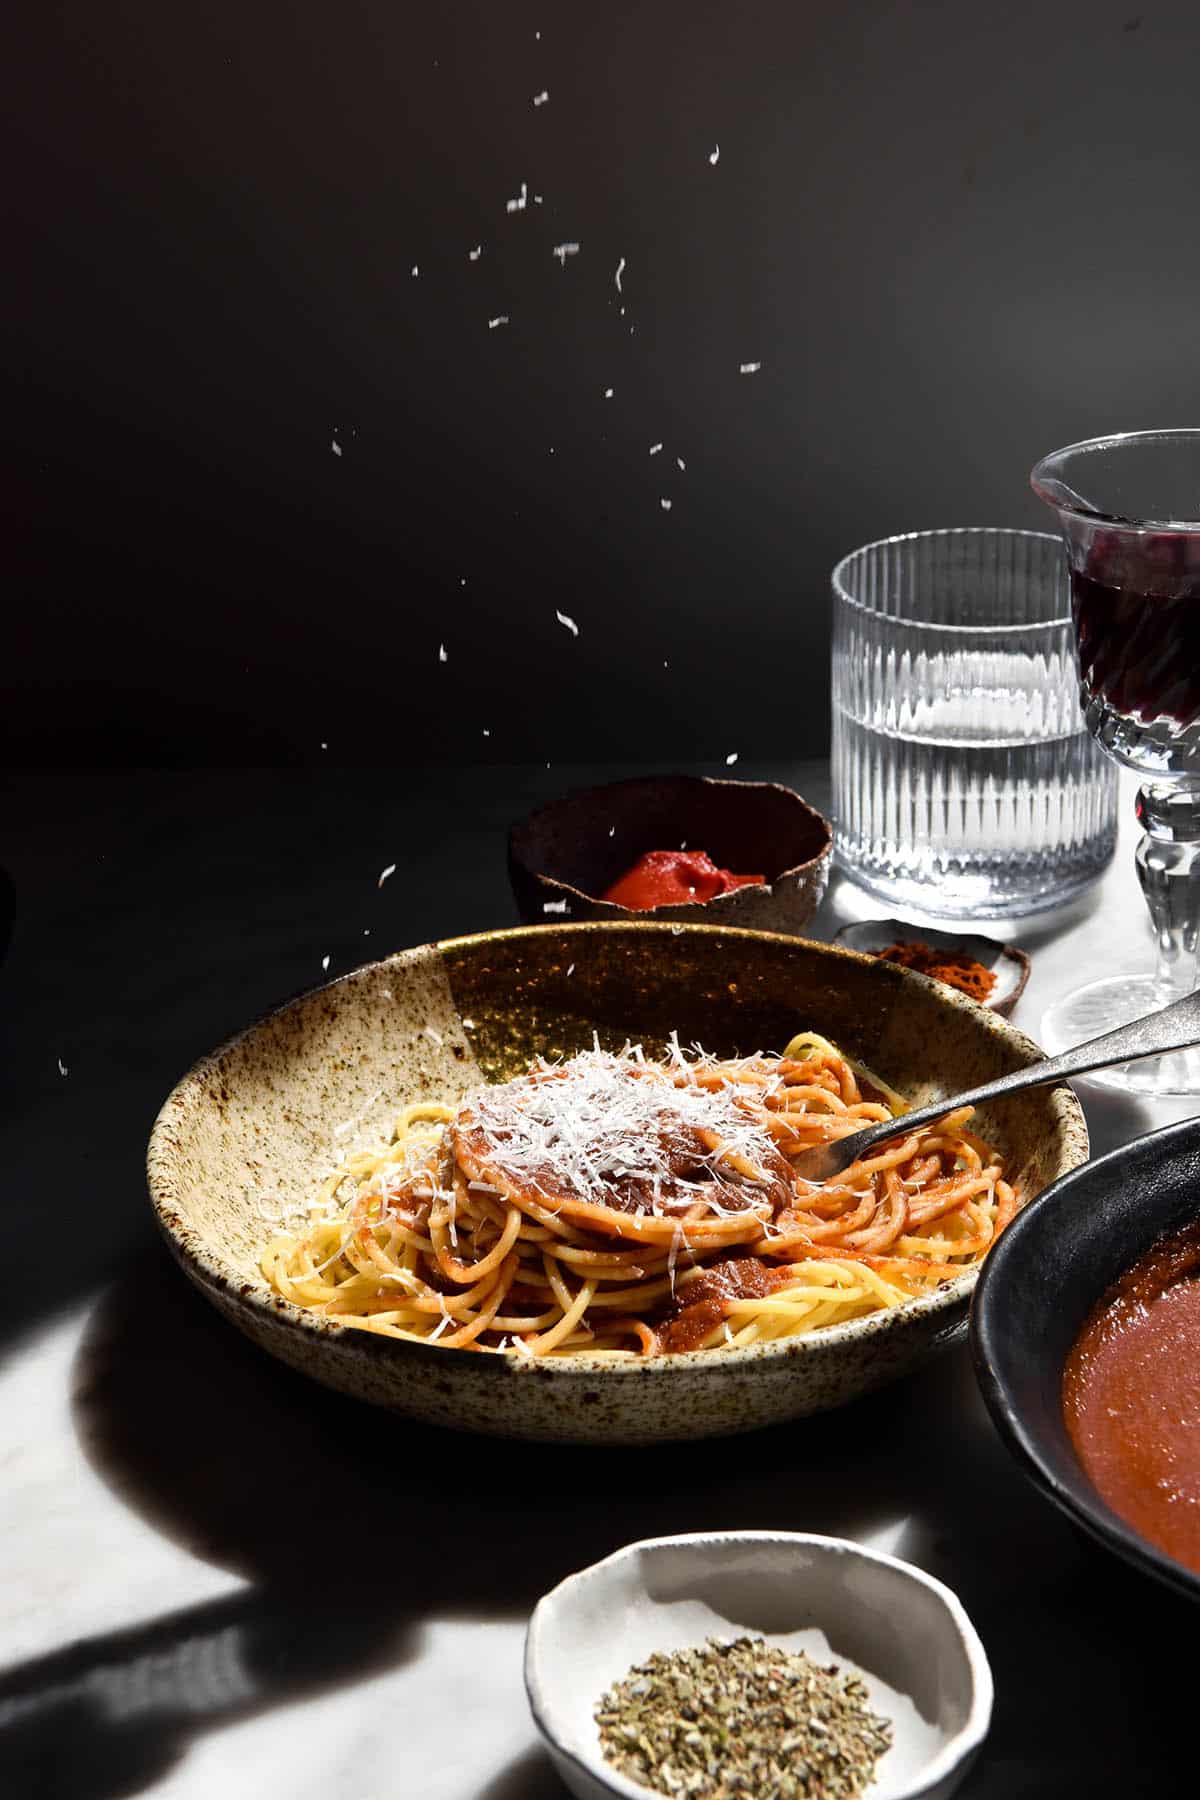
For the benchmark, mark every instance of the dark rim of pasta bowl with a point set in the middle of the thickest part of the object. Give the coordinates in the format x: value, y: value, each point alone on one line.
x: 214, y: 1273
x: 1035, y: 1291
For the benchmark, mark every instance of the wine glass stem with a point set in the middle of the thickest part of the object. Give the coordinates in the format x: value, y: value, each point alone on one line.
x: 1168, y: 865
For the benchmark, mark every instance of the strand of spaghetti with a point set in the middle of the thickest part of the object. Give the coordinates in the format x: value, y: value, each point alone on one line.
x: 922, y: 1211
x: 418, y: 1110
x: 862, y: 1272
x: 546, y: 1340
x: 651, y: 1228
x: 733, y: 1158
x: 791, y: 1302
x: 558, y: 1286
x: 1006, y: 1204
x: 633, y: 1327
x: 456, y: 1339
x: 544, y: 1216
x: 526, y: 1322
x: 647, y: 1293
x: 466, y: 1272
x: 824, y: 1096
x: 969, y: 1247
x: 597, y: 1259
x: 434, y: 1301
x: 819, y: 1230
x: 889, y: 1220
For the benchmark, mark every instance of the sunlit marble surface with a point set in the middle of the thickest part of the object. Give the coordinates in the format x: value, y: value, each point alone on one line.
x: 218, y: 1579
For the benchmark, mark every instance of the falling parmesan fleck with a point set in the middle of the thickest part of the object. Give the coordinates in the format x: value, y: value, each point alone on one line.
x: 500, y: 319
x: 570, y: 972
x: 554, y: 906
x: 366, y: 931
x: 475, y: 254
x: 679, y: 463
x: 486, y: 732
x: 749, y: 368
x: 570, y: 624
x: 715, y: 155
x: 384, y: 874
x: 619, y: 273
x: 612, y: 831
x: 562, y: 251
x: 731, y: 759
x: 336, y: 447
x: 62, y: 1067
x: 608, y: 393
x: 324, y: 746
x: 541, y: 99
x: 518, y: 203
x: 665, y: 504
x: 442, y: 657
x: 324, y: 962
x: 415, y: 271
x: 654, y: 449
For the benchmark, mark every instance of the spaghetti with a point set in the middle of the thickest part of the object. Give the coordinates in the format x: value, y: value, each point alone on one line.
x: 624, y: 1207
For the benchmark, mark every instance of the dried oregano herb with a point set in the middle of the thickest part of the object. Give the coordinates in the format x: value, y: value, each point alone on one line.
x: 743, y: 1719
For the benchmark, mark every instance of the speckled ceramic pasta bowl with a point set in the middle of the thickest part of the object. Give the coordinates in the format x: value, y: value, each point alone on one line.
x: 250, y: 1130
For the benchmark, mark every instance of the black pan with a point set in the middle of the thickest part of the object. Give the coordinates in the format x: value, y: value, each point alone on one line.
x: 1036, y: 1289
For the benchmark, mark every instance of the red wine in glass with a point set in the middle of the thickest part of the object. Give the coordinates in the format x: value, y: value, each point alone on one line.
x: 1139, y: 646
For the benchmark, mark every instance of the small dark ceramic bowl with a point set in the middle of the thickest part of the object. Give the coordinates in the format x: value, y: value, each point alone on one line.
x: 1009, y: 965
x: 1036, y: 1289
x: 561, y: 858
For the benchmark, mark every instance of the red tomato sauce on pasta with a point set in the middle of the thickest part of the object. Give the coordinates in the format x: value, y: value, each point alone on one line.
x: 1131, y: 1396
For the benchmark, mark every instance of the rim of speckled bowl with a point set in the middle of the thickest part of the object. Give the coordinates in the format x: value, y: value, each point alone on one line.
x: 245, y: 1294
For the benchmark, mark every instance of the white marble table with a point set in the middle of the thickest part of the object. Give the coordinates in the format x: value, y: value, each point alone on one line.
x: 219, y: 1580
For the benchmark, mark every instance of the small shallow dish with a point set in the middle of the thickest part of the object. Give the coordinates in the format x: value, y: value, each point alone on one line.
x: 905, y: 1633
x: 1009, y: 965
x: 564, y: 856
x: 1055, y: 1261
x: 252, y: 1128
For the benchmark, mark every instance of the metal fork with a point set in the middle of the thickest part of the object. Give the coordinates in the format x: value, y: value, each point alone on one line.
x: 1176, y: 1027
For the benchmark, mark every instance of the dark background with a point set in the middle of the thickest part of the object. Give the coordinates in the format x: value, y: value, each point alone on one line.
x: 954, y: 235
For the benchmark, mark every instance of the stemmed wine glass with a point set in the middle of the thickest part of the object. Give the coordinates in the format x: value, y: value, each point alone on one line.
x: 1129, y: 510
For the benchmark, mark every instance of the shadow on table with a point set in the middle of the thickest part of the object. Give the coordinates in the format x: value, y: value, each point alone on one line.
x: 353, y: 1528
x: 529, y: 1777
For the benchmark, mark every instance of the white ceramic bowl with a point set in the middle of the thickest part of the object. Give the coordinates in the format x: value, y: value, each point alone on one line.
x: 902, y: 1631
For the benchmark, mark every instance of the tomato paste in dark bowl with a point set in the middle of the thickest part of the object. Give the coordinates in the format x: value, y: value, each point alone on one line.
x: 673, y: 847
x: 1085, y: 1329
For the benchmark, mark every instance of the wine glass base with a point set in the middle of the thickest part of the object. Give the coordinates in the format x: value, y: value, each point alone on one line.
x: 1103, y: 1006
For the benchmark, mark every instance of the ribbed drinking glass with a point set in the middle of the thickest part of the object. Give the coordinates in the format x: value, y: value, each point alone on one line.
x: 965, y: 782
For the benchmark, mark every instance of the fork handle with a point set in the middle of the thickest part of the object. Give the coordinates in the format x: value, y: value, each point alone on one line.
x: 1176, y: 1027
